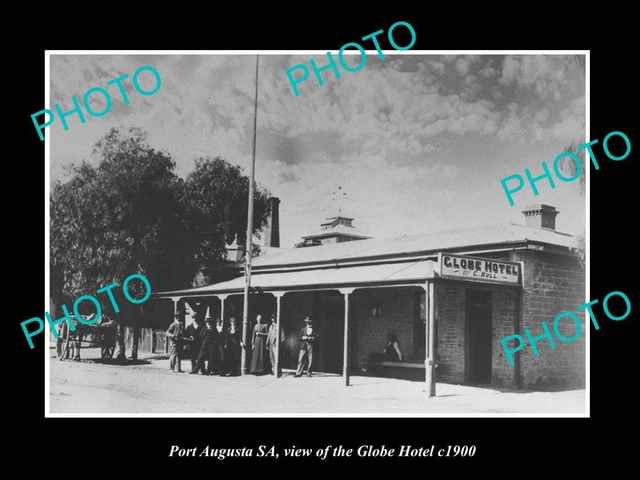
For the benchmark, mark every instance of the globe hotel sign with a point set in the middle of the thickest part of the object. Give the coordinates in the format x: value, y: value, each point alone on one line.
x: 476, y: 269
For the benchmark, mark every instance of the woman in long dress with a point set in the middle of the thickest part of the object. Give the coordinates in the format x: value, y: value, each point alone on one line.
x: 259, y: 344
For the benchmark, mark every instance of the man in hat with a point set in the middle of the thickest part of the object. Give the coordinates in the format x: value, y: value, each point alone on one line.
x: 207, y: 349
x: 272, y: 340
x: 193, y: 333
x: 309, y: 337
x: 176, y: 333
x: 233, y: 346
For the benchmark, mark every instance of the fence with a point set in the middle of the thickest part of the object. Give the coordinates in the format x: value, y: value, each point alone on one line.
x: 150, y: 340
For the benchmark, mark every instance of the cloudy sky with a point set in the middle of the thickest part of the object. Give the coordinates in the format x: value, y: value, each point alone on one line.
x: 418, y: 142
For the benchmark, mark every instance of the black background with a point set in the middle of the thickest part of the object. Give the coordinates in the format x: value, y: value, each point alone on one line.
x: 510, y: 446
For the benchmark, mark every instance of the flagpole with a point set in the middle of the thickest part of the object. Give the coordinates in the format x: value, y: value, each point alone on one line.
x: 246, y: 334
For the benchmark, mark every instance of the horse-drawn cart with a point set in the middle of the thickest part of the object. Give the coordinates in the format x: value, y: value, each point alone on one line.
x: 100, y: 334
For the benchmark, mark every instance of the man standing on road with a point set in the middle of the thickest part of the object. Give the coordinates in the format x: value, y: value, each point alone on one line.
x: 272, y: 340
x: 309, y: 337
x: 193, y: 331
x: 208, y: 349
x: 175, y: 332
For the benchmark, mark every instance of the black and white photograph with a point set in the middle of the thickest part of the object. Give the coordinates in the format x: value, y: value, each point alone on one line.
x: 302, y: 234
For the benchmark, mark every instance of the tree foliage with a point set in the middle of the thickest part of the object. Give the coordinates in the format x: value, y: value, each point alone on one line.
x: 128, y: 212
x: 118, y: 218
x: 569, y: 168
x: 217, y: 196
x: 580, y: 249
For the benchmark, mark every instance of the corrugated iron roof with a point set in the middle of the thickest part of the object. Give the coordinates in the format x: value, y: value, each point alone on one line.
x: 504, y: 233
x: 323, y: 278
x: 331, y: 274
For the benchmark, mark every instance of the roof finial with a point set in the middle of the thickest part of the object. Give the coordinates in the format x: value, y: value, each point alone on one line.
x: 339, y: 195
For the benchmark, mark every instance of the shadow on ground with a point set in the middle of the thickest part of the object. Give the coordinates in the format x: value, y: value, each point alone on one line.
x: 112, y: 361
x: 488, y: 389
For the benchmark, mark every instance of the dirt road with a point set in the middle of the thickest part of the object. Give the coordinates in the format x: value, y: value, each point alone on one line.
x: 91, y: 387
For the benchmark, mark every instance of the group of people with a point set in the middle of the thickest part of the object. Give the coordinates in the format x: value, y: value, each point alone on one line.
x: 216, y: 351
x: 265, y: 340
x: 213, y: 350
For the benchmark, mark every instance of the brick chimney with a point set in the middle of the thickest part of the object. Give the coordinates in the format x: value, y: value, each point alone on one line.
x: 272, y: 231
x: 541, y: 216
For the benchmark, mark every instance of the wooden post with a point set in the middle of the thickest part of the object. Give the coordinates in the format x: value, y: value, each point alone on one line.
x: 430, y: 342
x: 278, y: 296
x: 222, y: 299
x: 246, y: 332
x: 427, y: 378
x: 518, y: 321
x: 345, y: 363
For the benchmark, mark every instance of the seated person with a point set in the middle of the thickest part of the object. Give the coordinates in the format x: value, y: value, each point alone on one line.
x: 390, y: 353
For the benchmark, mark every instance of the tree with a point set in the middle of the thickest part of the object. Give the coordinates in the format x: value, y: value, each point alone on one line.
x: 118, y: 218
x: 217, y: 197
x: 569, y: 167
x: 217, y: 193
x: 132, y: 214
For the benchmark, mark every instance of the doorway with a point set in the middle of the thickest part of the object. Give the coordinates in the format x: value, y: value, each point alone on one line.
x: 479, y: 336
x: 329, y: 312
